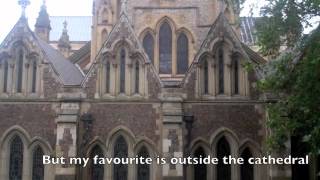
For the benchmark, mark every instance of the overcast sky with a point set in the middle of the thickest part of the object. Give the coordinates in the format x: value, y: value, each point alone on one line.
x: 10, y: 11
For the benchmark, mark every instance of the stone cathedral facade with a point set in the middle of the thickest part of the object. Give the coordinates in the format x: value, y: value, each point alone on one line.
x: 165, y: 78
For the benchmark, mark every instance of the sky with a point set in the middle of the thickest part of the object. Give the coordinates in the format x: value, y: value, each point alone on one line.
x: 10, y: 11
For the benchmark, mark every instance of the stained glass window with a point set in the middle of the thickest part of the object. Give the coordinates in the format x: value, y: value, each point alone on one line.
x: 5, y: 76
x: 16, y: 159
x: 221, y: 71
x: 34, y: 77
x: 143, y: 169
x: 120, y: 171
x: 165, y: 49
x: 122, y: 71
x: 236, y: 75
x: 246, y: 168
x: 182, y: 53
x: 107, y: 69
x: 200, y: 170
x: 37, y: 165
x: 137, y: 78
x: 19, y: 72
x: 206, y: 77
x: 148, y: 45
x: 223, y: 150
x: 96, y: 170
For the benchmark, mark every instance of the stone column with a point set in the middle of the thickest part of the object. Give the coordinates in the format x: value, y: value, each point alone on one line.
x: 172, y: 137
x: 66, y: 139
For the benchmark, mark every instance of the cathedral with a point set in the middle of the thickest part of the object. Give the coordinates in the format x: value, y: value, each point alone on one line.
x: 153, y: 78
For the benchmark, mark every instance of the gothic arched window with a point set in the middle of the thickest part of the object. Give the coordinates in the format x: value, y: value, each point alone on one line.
x: 34, y: 77
x: 96, y: 170
x: 200, y: 170
x: 206, y: 77
x: 122, y: 70
x: 19, y: 71
x: 182, y: 54
x: 246, y: 168
x: 148, y: 45
x: 165, y: 49
x: 37, y: 165
x: 223, y: 150
x: 5, y: 76
x: 120, y: 171
x: 143, y: 169
x: 221, y: 70
x: 107, y: 70
x: 137, y: 78
x: 235, y: 73
x: 16, y: 159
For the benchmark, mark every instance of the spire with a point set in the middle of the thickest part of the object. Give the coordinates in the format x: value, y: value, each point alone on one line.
x: 123, y: 7
x: 43, y: 20
x: 64, y: 42
x: 42, y: 26
x: 23, y: 4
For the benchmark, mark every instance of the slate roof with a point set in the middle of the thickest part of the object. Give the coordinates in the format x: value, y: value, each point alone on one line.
x: 68, y: 72
x: 79, y: 27
x: 79, y: 54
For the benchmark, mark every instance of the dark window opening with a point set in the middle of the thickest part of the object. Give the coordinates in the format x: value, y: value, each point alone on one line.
x: 122, y: 71
x: 148, y: 45
x: 20, y: 72
x: 247, y: 170
x: 236, y: 75
x: 223, y: 150
x: 221, y: 71
x: 120, y: 171
x: 96, y: 170
x: 137, y: 78
x: 206, y: 77
x: 165, y: 50
x: 299, y: 149
x: 200, y: 170
x: 34, y: 77
x: 5, y: 76
x: 143, y: 169
x: 37, y: 166
x: 107, y: 66
x: 16, y: 159
x: 182, y: 53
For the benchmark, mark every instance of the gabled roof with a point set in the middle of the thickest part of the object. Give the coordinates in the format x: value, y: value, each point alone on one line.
x: 66, y: 71
x: 221, y: 30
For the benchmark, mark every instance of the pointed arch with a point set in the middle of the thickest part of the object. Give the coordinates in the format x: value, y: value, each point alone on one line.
x: 143, y: 170
x: 182, y: 53
x: 16, y: 159
x: 148, y: 45
x: 120, y: 150
x: 19, y: 69
x: 137, y: 78
x: 221, y: 63
x: 246, y: 169
x: 200, y: 171
x: 165, y: 48
x: 96, y: 170
x: 38, y: 169
x: 5, y: 76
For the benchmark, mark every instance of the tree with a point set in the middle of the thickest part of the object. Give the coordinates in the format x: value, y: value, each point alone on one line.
x: 293, y: 75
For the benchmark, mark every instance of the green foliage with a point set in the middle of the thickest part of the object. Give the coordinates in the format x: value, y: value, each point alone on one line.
x: 282, y: 23
x: 295, y: 79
